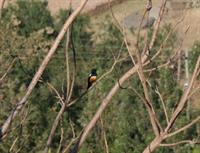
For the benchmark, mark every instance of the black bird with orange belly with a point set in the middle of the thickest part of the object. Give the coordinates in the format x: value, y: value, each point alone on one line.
x: 92, y: 78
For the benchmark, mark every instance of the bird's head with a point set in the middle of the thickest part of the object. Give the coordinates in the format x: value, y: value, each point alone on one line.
x: 94, y: 71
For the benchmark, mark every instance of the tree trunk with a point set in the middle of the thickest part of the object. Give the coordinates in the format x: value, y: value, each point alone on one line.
x: 153, y: 145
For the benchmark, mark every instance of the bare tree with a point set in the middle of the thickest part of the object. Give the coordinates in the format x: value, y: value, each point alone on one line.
x: 161, y: 133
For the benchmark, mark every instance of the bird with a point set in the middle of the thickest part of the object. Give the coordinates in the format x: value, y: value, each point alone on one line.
x: 92, y: 78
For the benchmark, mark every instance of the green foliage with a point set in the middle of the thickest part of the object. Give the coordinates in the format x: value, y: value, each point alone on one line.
x: 126, y: 122
x: 196, y: 150
x: 28, y: 16
x: 28, y: 43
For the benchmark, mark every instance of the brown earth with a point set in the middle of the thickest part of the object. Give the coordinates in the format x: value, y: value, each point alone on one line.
x: 91, y: 6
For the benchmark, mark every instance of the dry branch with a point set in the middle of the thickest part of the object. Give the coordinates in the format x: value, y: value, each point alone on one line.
x: 7, y: 71
x: 184, y: 98
x: 61, y: 101
x: 64, y: 102
x: 41, y: 69
x: 163, y: 104
x: 115, y: 88
x: 157, y: 140
x: 183, y: 128
x: 157, y: 24
x: 191, y: 142
x: 104, y: 136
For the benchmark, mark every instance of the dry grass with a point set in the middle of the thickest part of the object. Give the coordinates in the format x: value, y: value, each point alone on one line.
x: 124, y: 9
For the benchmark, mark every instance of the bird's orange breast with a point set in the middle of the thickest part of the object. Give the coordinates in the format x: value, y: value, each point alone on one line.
x: 93, y: 78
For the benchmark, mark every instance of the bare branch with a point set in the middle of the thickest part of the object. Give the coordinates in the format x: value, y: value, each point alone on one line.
x: 116, y: 61
x: 57, y: 93
x: 54, y: 127
x: 148, y: 102
x: 101, y: 108
x: 13, y: 144
x: 67, y: 62
x: 157, y: 140
x: 72, y: 140
x: 72, y: 128
x: 109, y: 96
x: 194, y: 91
x: 191, y: 142
x: 163, y: 104
x: 42, y: 68
x: 167, y: 37
x: 70, y: 86
x: 148, y: 8
x: 61, y: 136
x: 157, y: 24
x: 69, y: 145
x: 173, y: 57
x: 154, y: 121
x: 183, y: 128
x: 184, y: 98
x: 138, y: 94
x: 7, y: 71
x: 104, y: 136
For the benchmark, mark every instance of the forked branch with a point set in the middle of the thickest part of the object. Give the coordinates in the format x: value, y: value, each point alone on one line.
x: 41, y: 69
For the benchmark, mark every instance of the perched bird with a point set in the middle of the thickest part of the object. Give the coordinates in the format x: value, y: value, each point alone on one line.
x: 92, y: 78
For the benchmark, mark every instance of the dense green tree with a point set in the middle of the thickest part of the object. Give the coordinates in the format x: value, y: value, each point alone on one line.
x: 28, y: 16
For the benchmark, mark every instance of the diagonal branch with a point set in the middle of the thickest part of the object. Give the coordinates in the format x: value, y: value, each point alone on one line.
x: 61, y: 101
x: 183, y: 128
x: 157, y: 24
x: 154, y: 121
x: 112, y: 92
x: 184, y: 98
x: 41, y: 69
x: 148, y: 103
x: 7, y: 71
x: 163, y: 104
x: 194, y: 91
x: 191, y: 142
x: 104, y: 136
x: 157, y: 140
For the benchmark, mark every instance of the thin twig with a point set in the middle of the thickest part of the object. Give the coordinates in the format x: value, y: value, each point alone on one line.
x: 163, y: 104
x: 194, y: 91
x: 183, y: 128
x: 167, y: 37
x: 67, y: 61
x: 104, y: 136
x: 157, y: 23
x: 61, y: 135
x: 7, y: 71
x: 191, y: 142
x: 41, y: 69
x: 184, y: 98
x: 13, y: 144
x: 109, y: 96
x: 57, y: 93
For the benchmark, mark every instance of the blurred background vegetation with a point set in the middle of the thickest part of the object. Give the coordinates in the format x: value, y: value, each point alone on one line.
x: 27, y: 31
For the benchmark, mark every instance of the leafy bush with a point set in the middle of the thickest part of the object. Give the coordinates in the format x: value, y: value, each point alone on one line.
x: 28, y: 16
